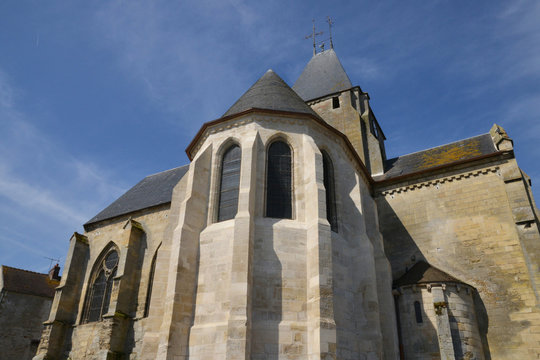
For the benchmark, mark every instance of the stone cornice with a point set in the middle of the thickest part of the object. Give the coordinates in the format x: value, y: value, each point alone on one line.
x: 442, y: 180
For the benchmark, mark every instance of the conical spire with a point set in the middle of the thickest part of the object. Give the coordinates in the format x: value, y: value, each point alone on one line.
x: 323, y: 75
x: 272, y: 93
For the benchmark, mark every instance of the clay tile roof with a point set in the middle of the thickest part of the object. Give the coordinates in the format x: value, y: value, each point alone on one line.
x: 272, y: 93
x: 441, y: 155
x: 423, y: 273
x: 151, y: 191
x: 323, y: 75
x: 28, y: 282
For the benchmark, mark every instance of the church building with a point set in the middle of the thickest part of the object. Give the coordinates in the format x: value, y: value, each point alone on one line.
x: 290, y: 235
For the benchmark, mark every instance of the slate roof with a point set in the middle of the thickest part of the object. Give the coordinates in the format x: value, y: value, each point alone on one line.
x: 272, y: 93
x: 153, y: 190
x: 323, y: 75
x: 423, y: 273
x: 28, y: 282
x: 441, y: 155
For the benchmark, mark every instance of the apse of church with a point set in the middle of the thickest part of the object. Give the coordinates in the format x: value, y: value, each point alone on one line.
x: 290, y: 235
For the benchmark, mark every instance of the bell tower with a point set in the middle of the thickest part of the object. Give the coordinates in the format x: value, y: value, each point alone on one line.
x: 325, y: 86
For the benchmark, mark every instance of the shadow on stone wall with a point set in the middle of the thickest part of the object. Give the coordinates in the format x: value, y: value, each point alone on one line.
x: 402, y: 251
x: 267, y: 299
x: 355, y: 301
x: 483, y: 322
x: 130, y: 338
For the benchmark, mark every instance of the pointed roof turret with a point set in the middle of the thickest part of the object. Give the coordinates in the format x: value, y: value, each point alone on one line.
x: 272, y: 93
x: 323, y: 75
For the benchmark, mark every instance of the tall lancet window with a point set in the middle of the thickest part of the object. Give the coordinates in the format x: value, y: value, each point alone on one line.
x: 279, y: 181
x: 329, y: 185
x: 99, y: 292
x: 230, y: 183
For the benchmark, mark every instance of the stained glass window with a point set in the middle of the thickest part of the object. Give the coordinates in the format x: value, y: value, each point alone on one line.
x: 99, y: 293
x: 279, y: 181
x: 230, y: 183
x: 96, y: 299
x: 329, y: 185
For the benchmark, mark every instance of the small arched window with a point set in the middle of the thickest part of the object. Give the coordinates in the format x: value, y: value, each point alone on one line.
x: 279, y: 181
x: 99, y: 293
x: 329, y: 185
x: 150, y: 283
x: 418, y: 312
x: 230, y: 183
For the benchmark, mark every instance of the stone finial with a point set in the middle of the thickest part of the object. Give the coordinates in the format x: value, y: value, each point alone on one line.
x: 500, y: 138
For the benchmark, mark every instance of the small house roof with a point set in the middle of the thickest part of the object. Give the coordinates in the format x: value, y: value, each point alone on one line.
x: 28, y: 282
x: 424, y: 273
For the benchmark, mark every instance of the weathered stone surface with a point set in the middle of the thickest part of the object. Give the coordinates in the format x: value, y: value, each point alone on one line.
x: 253, y: 287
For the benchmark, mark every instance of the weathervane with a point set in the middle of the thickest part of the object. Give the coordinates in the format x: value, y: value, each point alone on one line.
x: 330, y: 23
x: 313, y: 35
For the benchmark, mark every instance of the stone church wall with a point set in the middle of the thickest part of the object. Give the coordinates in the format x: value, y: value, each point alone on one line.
x: 464, y: 222
x: 21, y: 319
x: 420, y: 340
x: 92, y: 338
x: 307, y: 290
x: 355, y: 119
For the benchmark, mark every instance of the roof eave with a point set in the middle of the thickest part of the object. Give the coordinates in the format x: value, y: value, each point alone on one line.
x: 205, y: 126
x: 356, y: 87
x: 88, y: 225
x: 400, y: 178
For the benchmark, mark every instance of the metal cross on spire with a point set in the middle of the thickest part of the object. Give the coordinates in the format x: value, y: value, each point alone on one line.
x: 330, y: 23
x: 313, y: 35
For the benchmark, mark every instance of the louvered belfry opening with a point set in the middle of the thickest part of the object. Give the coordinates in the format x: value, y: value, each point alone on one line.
x: 230, y: 183
x: 279, y: 181
x: 99, y: 295
x: 329, y: 185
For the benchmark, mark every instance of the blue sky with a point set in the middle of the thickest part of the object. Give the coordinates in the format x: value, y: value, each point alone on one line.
x: 96, y: 95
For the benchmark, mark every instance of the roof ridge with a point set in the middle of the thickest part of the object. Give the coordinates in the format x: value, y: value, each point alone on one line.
x: 28, y: 271
x: 439, y: 146
x: 160, y: 172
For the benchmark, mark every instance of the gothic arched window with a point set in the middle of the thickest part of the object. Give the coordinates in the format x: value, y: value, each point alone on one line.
x: 230, y: 183
x: 329, y: 185
x: 279, y: 181
x: 99, y: 291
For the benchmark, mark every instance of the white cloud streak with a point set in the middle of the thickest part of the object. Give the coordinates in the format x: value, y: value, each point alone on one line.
x: 45, y: 192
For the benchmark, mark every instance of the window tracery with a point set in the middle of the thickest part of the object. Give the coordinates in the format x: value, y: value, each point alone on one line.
x: 99, y: 292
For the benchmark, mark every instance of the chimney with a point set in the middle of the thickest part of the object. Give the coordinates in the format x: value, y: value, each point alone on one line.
x: 54, y: 273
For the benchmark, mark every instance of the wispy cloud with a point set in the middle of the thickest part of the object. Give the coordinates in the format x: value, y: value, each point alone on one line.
x: 45, y: 192
x: 183, y: 64
x: 38, y: 199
